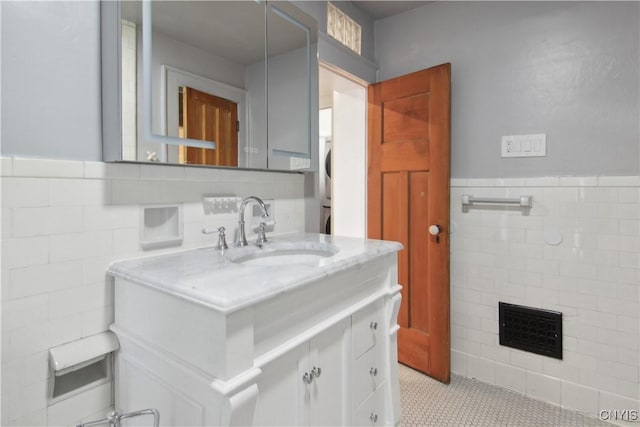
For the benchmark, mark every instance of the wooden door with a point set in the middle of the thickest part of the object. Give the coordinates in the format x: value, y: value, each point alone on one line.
x: 207, y: 117
x: 408, y: 191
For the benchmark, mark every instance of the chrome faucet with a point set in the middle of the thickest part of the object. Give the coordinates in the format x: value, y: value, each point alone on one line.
x: 242, y: 238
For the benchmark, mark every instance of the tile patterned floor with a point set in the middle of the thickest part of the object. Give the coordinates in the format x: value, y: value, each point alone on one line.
x: 468, y: 402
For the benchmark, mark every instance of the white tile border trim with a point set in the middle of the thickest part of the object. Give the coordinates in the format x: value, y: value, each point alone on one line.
x: 11, y: 166
x: 46, y: 168
x: 52, y: 168
x: 549, y: 181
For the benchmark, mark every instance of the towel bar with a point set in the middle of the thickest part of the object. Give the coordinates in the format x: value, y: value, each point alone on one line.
x: 522, y: 201
x: 114, y: 419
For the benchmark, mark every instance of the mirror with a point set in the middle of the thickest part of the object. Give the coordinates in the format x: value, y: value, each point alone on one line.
x: 215, y: 83
x: 288, y: 92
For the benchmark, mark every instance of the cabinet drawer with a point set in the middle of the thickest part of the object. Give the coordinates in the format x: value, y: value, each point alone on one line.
x: 366, y: 328
x: 371, y: 411
x: 367, y: 374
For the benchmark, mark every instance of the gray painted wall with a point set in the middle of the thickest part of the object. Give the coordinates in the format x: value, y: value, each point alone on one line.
x: 51, y: 80
x: 567, y: 69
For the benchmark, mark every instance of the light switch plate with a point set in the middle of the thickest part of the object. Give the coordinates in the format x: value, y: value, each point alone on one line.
x: 296, y: 163
x: 534, y: 145
x: 214, y: 204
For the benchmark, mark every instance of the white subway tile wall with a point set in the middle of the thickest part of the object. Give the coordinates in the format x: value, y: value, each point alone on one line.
x: 63, y: 223
x: 499, y: 253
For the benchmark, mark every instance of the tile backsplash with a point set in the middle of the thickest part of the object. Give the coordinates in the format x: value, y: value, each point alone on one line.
x: 63, y: 222
x: 592, y: 276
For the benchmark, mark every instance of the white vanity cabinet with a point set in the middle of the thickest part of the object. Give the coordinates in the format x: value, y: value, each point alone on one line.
x: 209, y: 342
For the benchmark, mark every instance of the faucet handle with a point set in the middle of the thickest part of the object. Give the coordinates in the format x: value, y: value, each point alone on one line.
x: 268, y: 224
x: 222, y: 240
x: 262, y: 237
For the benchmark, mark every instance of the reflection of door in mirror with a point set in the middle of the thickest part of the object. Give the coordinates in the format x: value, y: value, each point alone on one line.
x: 208, y: 117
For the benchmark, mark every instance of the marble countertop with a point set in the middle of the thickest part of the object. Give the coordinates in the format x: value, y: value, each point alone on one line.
x: 224, y: 283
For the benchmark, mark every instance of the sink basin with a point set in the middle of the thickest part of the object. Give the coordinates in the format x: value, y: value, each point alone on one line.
x: 284, y: 253
x: 282, y: 258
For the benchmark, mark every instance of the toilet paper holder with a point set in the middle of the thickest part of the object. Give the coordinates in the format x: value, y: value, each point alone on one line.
x: 80, y: 365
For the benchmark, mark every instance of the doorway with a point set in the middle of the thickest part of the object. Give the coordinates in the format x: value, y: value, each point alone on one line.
x: 342, y: 152
x: 408, y: 123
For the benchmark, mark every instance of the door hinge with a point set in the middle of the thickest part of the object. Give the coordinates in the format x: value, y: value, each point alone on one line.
x: 237, y: 125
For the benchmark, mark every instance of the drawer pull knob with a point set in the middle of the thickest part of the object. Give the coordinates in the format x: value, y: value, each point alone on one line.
x: 316, y: 372
x: 373, y: 325
x: 307, y: 378
x: 373, y: 372
x: 374, y: 418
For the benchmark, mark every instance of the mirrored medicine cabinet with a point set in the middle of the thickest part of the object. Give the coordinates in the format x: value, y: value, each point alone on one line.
x: 210, y: 83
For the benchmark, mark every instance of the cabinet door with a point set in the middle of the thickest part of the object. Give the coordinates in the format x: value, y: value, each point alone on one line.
x: 330, y: 352
x: 283, y: 397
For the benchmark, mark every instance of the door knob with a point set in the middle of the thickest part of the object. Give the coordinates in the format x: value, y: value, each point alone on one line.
x: 434, y: 230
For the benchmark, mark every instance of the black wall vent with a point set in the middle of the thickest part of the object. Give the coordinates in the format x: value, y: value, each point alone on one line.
x: 531, y: 329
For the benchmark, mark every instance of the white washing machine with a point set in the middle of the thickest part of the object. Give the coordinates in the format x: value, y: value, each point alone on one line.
x: 326, y: 171
x: 326, y: 219
x: 325, y: 199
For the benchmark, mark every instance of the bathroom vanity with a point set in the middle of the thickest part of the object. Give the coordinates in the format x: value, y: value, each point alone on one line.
x: 300, y: 331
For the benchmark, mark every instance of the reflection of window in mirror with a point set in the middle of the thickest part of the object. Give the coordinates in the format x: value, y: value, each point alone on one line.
x: 129, y: 88
x: 208, y: 117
